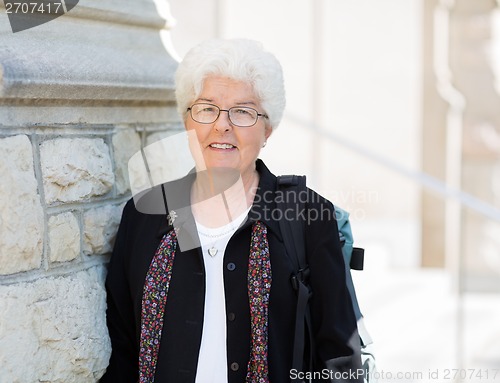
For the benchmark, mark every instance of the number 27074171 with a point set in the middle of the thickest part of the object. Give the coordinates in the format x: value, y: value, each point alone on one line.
x: 34, y: 7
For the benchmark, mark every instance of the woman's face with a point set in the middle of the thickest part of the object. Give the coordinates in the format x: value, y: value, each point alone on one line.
x: 223, y: 144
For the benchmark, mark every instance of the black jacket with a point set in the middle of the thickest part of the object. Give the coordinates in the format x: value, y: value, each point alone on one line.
x: 137, y: 240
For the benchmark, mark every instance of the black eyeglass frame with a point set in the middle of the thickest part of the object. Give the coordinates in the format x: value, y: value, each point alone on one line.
x: 229, y: 116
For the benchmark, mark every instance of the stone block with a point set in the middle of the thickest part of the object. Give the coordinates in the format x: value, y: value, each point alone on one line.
x: 75, y: 169
x: 99, y: 229
x: 54, y: 329
x: 168, y: 154
x: 125, y: 144
x: 64, y: 237
x: 21, y: 213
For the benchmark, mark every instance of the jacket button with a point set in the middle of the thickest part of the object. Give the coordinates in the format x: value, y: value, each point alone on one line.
x: 231, y: 316
x: 231, y: 266
x: 235, y: 366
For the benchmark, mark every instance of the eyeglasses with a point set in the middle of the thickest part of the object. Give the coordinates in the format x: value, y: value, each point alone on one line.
x: 238, y: 115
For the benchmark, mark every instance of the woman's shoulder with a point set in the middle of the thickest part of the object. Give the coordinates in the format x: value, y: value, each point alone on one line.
x: 160, y: 199
x: 318, y: 208
x: 149, y: 201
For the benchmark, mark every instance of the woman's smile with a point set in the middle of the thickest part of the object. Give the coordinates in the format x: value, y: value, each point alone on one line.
x: 222, y: 147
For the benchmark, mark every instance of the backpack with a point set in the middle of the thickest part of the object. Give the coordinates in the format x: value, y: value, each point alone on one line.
x: 293, y: 232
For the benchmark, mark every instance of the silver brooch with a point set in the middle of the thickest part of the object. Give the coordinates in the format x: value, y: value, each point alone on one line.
x: 172, y: 215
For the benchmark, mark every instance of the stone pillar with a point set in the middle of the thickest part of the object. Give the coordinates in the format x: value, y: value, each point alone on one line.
x: 78, y: 96
x: 472, y: 47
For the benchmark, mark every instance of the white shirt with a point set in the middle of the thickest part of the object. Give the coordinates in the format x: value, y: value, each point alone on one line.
x: 212, y: 360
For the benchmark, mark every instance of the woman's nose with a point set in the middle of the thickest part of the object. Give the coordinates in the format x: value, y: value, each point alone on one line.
x: 223, y: 123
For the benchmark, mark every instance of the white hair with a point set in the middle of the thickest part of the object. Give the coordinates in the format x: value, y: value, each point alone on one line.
x: 237, y: 59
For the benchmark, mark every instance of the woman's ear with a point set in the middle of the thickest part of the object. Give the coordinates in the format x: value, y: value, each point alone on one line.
x: 268, y: 131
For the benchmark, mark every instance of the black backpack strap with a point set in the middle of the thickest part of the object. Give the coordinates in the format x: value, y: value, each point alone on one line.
x: 293, y: 229
x: 293, y: 232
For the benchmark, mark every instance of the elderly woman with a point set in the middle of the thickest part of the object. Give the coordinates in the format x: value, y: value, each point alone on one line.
x: 206, y: 296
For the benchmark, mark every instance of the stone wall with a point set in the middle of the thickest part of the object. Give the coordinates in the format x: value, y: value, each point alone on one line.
x: 78, y: 96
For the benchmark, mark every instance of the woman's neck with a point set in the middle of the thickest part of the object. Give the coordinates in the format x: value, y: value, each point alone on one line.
x: 219, y: 196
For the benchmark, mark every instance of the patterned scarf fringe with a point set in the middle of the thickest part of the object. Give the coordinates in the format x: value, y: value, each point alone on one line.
x: 259, y: 287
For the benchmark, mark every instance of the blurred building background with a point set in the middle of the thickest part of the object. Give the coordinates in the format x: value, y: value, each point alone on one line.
x: 394, y: 114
